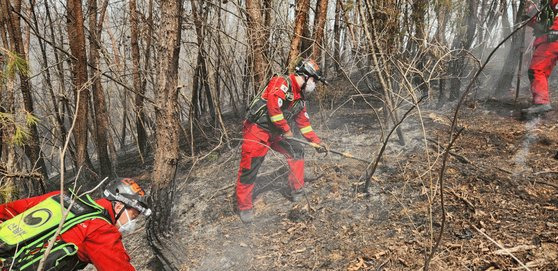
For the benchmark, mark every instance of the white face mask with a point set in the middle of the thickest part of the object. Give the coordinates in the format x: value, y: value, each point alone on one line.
x: 310, y: 86
x: 127, y: 227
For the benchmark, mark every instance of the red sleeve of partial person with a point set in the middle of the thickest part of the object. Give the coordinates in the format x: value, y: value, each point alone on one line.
x: 276, y: 92
x: 303, y: 122
x: 105, y: 251
x: 554, y: 4
x: 11, y: 209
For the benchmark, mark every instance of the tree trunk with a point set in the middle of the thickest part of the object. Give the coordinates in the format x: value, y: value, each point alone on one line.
x: 48, y: 79
x: 268, y: 4
x: 201, y: 77
x: 79, y: 71
x: 7, y: 131
x: 12, y: 19
x: 419, y: 12
x: 337, y: 36
x: 302, y: 7
x: 464, y: 42
x: 137, y: 81
x: 306, y: 39
x: 441, y: 10
x: 319, y: 23
x: 147, y: 57
x: 382, y: 44
x: 166, y: 136
x: 508, y: 69
x: 258, y: 40
x: 100, y: 116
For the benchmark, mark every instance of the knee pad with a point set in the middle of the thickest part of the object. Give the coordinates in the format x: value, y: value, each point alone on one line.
x: 298, y: 151
x: 531, y: 74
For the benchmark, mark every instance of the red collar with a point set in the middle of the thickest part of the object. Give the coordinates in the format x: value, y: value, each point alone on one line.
x: 105, y: 203
x: 295, y: 87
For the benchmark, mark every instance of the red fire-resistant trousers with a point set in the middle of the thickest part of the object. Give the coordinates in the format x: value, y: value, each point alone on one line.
x: 542, y: 63
x: 256, y: 142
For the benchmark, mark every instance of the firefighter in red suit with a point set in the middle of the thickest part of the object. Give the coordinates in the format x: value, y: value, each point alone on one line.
x: 267, y: 126
x: 544, y: 56
x: 98, y: 242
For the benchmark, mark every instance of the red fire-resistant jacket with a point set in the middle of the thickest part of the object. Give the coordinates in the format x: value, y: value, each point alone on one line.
x: 543, y: 38
x: 554, y: 7
x: 275, y: 94
x: 98, y: 242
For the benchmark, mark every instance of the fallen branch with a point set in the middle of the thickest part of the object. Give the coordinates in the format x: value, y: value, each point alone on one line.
x: 519, y: 248
x: 549, y: 184
x: 459, y: 157
x: 504, y: 250
x: 220, y: 190
x: 463, y: 199
x: 545, y: 172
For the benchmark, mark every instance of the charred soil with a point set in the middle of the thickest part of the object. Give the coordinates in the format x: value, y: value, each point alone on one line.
x: 500, y: 186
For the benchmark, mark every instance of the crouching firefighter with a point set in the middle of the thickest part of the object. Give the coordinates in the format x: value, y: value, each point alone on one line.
x: 91, y: 232
x: 268, y: 125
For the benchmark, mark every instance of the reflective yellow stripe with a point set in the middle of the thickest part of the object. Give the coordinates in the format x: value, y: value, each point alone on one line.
x: 306, y: 129
x: 277, y: 118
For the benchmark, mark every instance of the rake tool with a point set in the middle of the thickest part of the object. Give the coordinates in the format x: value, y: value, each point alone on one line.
x: 316, y: 146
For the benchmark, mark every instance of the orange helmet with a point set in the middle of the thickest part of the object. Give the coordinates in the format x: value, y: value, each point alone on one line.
x: 309, y: 68
x: 129, y: 193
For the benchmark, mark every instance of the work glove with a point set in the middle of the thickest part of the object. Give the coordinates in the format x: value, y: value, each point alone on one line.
x: 538, y: 29
x: 321, y: 148
x: 552, y: 36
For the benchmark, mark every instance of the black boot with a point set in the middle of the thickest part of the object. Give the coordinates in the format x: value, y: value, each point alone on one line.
x: 296, y: 195
x: 247, y: 216
x: 537, y: 109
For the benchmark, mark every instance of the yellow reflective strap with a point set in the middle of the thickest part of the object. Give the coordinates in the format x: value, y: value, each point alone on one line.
x: 306, y: 129
x: 277, y: 118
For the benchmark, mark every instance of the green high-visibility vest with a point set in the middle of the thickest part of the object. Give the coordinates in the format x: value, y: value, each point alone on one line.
x: 23, y: 237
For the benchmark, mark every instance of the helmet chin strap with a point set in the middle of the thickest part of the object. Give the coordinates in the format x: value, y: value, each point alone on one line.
x: 302, y: 88
x: 119, y: 213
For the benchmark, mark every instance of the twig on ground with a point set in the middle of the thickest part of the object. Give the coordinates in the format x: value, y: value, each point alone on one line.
x: 504, y: 170
x: 221, y: 190
x: 463, y: 199
x: 519, y: 248
x: 545, y: 172
x: 459, y: 157
x: 502, y: 248
x: 545, y: 183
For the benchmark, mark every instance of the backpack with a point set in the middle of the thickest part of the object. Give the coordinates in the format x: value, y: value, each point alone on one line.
x: 24, y: 238
x: 257, y: 111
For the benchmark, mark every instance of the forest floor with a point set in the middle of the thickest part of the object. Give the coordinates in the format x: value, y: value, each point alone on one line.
x: 500, y: 187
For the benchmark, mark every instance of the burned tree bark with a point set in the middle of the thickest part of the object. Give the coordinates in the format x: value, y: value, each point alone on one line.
x: 100, y: 116
x: 319, y: 23
x: 137, y: 80
x: 419, y: 13
x: 201, y: 77
x: 302, y: 7
x: 166, y: 135
x: 13, y: 25
x: 337, y: 36
x: 79, y: 71
x: 512, y: 61
x: 461, y: 44
x: 441, y: 10
x: 257, y: 39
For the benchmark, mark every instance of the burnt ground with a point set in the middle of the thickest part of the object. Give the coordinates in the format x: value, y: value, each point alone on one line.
x: 500, y: 187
